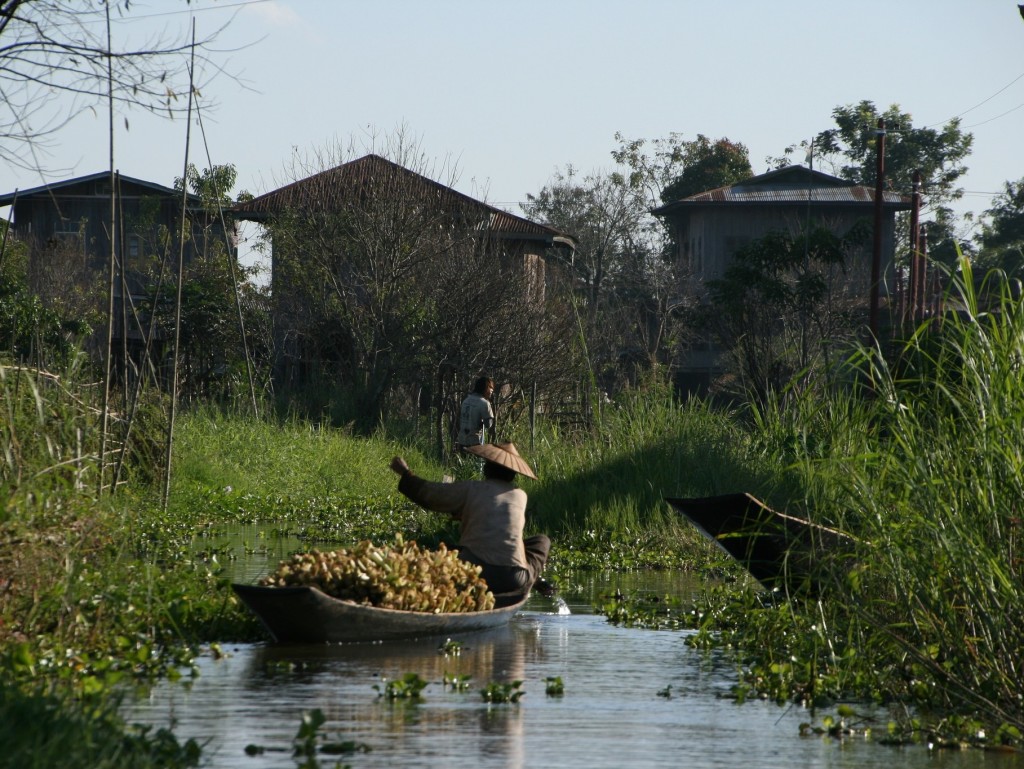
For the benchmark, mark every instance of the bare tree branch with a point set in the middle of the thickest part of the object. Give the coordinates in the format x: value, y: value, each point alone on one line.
x: 54, y: 61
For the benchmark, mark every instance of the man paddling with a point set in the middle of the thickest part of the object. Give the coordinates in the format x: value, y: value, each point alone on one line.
x: 491, y: 514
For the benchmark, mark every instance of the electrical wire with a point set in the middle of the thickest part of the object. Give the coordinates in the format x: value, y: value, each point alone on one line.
x: 981, y: 103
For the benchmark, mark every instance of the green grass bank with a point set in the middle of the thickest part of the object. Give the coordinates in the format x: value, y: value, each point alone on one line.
x: 913, y: 454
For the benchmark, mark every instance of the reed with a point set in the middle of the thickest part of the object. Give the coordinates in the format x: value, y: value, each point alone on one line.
x: 921, y: 461
x: 48, y: 438
x: 79, y: 611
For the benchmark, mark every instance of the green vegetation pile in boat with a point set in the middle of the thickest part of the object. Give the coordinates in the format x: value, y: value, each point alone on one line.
x: 371, y: 593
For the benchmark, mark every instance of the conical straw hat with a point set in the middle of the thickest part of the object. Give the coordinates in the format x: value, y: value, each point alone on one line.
x: 503, y: 454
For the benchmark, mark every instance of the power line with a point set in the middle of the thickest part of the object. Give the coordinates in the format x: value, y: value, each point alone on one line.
x: 979, y: 104
x: 973, y: 125
x: 190, y: 11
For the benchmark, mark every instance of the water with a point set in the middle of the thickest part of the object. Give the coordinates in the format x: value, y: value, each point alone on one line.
x: 612, y: 713
x: 632, y: 698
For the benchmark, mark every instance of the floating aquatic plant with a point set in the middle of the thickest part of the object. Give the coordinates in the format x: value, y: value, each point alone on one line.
x: 408, y: 687
x: 450, y: 648
x: 502, y: 692
x: 457, y: 683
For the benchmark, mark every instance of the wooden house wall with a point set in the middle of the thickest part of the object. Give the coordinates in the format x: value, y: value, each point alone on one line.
x: 709, y: 237
x: 39, y: 220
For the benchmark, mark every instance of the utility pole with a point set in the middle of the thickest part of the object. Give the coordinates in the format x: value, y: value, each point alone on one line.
x: 915, y: 250
x: 876, y: 256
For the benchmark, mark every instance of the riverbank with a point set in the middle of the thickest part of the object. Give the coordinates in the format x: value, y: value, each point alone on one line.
x: 909, y: 456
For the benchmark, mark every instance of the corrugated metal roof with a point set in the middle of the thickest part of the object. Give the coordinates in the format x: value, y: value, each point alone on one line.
x: 856, y: 194
x: 101, y: 176
x: 793, y: 184
x: 337, y: 187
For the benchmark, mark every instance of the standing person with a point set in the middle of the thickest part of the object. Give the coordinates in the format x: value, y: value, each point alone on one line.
x: 491, y: 514
x: 476, y: 415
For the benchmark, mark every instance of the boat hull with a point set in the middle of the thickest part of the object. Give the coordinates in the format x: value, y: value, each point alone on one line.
x: 304, y: 614
x: 780, y: 551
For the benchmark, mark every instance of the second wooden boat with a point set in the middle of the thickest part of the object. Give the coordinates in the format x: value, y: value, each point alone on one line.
x: 781, y: 551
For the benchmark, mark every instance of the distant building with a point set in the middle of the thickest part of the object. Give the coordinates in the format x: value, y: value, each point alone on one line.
x: 66, y: 227
x: 75, y: 214
x: 710, y: 227
x: 373, y: 183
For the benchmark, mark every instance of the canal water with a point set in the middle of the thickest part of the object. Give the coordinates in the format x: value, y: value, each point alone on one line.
x: 631, y: 698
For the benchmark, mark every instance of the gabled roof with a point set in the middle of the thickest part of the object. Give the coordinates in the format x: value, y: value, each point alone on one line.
x: 792, y: 184
x: 65, y: 186
x: 337, y: 187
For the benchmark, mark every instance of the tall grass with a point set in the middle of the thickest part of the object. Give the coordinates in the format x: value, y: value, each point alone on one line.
x: 79, y: 611
x: 599, y: 485
x: 221, y: 450
x: 645, y: 446
x: 48, y: 439
x: 922, y: 462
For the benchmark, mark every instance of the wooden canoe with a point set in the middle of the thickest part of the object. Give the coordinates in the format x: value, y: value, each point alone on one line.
x: 781, y: 551
x: 304, y: 614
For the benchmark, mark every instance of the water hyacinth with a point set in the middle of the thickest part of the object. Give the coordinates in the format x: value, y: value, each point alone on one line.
x: 401, y: 576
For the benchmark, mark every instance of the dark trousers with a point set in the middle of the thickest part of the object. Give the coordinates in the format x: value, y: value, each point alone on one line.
x: 514, y: 579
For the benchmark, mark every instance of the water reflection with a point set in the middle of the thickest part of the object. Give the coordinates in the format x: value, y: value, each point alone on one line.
x: 610, y: 715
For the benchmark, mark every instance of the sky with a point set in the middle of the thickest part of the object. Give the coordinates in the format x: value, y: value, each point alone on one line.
x: 498, y: 97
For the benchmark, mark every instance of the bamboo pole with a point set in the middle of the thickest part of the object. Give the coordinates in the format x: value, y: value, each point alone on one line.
x: 876, y: 255
x: 231, y: 268
x: 108, y: 351
x: 181, y: 274
x: 124, y: 293
x: 146, y: 358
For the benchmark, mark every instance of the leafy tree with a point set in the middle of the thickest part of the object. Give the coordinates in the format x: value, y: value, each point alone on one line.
x: 850, y: 151
x: 218, y: 300
x: 211, y: 185
x: 618, y: 273
x: 31, y: 331
x: 64, y: 280
x: 1002, y: 236
x: 782, y: 305
x: 623, y: 268
x: 56, y: 62
x: 607, y: 218
x: 676, y: 168
x: 709, y: 165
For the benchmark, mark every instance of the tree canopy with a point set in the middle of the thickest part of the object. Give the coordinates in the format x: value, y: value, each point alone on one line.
x: 394, y: 288
x: 784, y: 304
x: 676, y: 168
x: 1002, y: 235
x: 850, y: 151
x: 708, y: 165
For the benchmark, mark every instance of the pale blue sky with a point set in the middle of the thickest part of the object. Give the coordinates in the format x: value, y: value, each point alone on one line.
x: 509, y: 92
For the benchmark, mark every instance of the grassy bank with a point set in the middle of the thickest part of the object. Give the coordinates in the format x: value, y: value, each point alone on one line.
x: 600, y: 495
x: 100, y: 590
x: 914, y: 456
x: 919, y: 460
